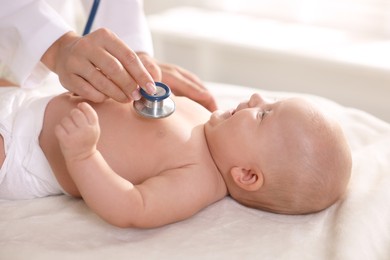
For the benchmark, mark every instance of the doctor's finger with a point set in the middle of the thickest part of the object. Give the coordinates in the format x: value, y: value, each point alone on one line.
x: 201, y: 94
x: 184, y: 83
x: 114, y: 71
x: 131, y: 63
x: 81, y: 87
x: 102, y: 83
x: 191, y: 77
x: 151, y: 66
x: 153, y: 69
x: 192, y: 91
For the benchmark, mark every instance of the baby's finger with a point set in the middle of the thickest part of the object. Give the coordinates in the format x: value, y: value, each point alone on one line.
x: 67, y: 124
x: 89, y: 113
x: 79, y: 118
x: 60, y: 132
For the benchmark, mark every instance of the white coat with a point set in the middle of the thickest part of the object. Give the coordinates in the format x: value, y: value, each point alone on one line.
x: 29, y: 27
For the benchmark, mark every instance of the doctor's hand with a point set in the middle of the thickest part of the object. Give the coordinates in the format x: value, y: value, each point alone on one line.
x: 181, y: 81
x: 98, y: 66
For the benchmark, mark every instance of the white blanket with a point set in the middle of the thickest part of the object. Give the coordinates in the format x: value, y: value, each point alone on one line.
x: 358, y: 227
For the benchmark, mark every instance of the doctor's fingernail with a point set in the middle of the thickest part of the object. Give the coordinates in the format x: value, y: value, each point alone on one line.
x: 136, y: 95
x: 150, y: 88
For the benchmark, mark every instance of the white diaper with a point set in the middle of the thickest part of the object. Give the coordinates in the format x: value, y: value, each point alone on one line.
x: 25, y: 173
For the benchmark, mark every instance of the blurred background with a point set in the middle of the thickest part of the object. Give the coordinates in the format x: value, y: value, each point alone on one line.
x: 339, y: 49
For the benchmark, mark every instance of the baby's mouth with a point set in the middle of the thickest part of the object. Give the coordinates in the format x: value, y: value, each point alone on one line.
x: 230, y: 112
x: 226, y: 114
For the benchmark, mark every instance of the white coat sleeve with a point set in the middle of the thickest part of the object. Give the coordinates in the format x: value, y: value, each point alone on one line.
x: 27, y: 28
x: 126, y: 18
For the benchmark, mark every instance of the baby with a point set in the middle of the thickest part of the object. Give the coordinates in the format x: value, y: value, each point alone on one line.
x: 283, y: 156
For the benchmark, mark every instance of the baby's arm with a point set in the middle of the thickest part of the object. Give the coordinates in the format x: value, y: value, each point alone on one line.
x: 160, y: 200
x: 100, y: 187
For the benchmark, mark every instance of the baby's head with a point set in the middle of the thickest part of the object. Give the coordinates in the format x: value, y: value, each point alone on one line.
x: 285, y: 156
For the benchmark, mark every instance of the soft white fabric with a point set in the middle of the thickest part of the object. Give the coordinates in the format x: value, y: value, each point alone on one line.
x: 29, y: 27
x: 25, y: 173
x: 126, y: 18
x: 358, y: 227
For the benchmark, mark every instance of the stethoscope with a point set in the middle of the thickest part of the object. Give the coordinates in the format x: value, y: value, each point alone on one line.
x: 158, y: 105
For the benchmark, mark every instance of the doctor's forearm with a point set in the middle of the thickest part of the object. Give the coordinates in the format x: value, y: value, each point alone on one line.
x: 50, y: 57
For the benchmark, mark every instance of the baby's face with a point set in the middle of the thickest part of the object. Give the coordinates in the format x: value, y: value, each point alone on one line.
x: 254, y: 129
x: 288, y: 145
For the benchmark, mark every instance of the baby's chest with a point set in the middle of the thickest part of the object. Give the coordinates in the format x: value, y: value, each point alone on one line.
x: 137, y: 158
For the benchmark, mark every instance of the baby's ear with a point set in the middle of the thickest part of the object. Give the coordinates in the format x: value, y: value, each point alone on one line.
x: 247, y: 179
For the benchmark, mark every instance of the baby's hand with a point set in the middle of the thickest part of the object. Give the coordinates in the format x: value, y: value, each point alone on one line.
x: 79, y: 132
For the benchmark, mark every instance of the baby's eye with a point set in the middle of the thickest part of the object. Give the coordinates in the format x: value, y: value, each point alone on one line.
x: 265, y: 113
x: 262, y: 114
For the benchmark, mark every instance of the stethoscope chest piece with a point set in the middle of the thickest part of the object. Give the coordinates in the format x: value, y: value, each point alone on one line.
x: 158, y: 105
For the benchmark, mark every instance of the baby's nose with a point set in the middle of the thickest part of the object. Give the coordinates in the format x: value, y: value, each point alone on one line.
x: 255, y: 100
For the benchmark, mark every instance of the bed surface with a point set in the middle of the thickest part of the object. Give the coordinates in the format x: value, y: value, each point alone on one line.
x: 358, y: 227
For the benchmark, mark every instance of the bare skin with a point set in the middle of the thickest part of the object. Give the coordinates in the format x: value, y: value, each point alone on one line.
x: 137, y: 172
x: 139, y: 149
x: 185, y: 158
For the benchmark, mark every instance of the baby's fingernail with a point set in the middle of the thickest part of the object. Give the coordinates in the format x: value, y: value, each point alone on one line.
x: 150, y: 88
x: 136, y: 95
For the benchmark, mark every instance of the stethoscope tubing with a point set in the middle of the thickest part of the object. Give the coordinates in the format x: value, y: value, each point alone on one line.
x: 91, y: 17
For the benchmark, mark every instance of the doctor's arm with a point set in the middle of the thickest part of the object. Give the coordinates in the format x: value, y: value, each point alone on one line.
x: 34, y: 33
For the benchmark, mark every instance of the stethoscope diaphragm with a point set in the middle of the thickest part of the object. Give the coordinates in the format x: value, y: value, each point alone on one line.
x: 158, y: 105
